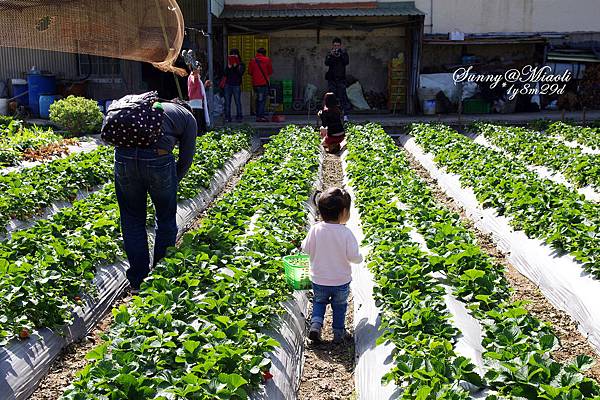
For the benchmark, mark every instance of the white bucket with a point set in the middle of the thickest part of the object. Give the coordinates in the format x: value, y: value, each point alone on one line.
x: 429, y: 107
x: 3, y: 106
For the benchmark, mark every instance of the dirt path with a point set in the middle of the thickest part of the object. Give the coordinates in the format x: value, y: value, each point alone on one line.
x: 72, y: 359
x: 328, y: 372
x: 572, y: 342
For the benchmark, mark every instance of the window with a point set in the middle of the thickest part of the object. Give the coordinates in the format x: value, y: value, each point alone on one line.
x: 96, y: 66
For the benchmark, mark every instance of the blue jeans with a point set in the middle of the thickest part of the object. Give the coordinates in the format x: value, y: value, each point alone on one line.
x: 236, y: 91
x: 139, y: 172
x: 261, y: 100
x: 337, y: 296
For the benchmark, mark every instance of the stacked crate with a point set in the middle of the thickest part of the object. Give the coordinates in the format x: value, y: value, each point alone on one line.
x: 397, y: 84
x: 288, y: 93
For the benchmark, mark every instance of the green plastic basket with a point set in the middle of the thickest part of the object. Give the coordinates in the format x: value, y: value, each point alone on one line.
x: 296, y: 271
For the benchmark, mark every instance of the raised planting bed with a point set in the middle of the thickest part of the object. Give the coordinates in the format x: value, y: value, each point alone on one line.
x: 419, y: 251
x: 80, y: 274
x: 204, y: 323
x: 585, y: 136
x: 530, y: 147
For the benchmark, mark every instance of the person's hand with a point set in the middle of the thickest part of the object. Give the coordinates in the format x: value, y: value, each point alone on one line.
x: 208, y: 83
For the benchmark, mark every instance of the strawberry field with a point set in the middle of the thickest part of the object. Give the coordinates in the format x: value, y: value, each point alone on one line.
x: 437, y: 313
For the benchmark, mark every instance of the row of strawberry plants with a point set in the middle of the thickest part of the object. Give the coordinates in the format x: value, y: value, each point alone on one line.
x: 195, y: 332
x: 586, y: 136
x: 25, y: 193
x: 517, y: 345
x: 15, y: 139
x: 414, y: 315
x: 45, y: 269
x: 540, y: 149
x: 541, y: 208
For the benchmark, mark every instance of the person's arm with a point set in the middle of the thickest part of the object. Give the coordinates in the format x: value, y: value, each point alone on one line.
x: 324, y: 118
x: 308, y: 243
x: 187, y: 146
x: 241, y: 68
x: 328, y: 59
x: 251, y: 67
x: 345, y: 57
x: 352, y: 249
x: 269, y: 68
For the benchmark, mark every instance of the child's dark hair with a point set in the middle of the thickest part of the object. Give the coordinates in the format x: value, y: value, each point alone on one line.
x: 234, y: 52
x: 332, y: 203
x: 262, y: 51
x: 330, y: 103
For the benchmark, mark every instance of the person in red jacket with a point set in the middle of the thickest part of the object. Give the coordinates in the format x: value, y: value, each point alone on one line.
x: 260, y: 69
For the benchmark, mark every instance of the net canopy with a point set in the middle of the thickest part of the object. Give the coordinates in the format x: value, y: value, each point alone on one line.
x: 140, y: 30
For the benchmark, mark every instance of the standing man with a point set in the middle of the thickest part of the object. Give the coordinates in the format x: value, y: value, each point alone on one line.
x: 260, y: 69
x: 233, y: 81
x: 153, y: 170
x: 336, y: 60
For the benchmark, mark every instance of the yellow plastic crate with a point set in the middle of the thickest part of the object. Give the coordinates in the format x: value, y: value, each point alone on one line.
x: 262, y: 42
x: 234, y: 42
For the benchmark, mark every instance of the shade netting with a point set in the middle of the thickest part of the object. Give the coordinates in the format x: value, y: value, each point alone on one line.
x: 141, y: 30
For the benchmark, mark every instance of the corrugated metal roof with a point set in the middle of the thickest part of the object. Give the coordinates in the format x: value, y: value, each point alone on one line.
x: 404, y: 8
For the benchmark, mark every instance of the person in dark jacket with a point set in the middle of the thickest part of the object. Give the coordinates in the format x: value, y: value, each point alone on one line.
x: 233, y: 81
x: 143, y: 171
x: 337, y: 59
x: 332, y: 125
x: 260, y: 69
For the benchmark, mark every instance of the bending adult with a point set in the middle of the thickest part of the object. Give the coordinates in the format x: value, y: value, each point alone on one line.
x: 153, y: 171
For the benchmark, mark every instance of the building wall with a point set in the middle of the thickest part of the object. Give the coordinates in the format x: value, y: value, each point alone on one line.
x: 14, y: 63
x: 481, y: 16
x: 436, y: 58
x: 369, y: 53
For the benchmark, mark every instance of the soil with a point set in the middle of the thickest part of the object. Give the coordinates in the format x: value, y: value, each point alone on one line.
x: 328, y: 372
x: 572, y: 342
x: 72, y: 359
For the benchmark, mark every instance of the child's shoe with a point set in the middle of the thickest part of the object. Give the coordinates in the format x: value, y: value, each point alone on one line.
x: 340, y: 335
x: 314, y: 333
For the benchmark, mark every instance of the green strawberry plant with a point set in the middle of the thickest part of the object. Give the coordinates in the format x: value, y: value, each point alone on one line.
x: 518, y: 347
x: 586, y: 136
x: 536, y: 148
x: 16, y: 138
x: 45, y: 269
x: 197, y: 329
x: 541, y: 208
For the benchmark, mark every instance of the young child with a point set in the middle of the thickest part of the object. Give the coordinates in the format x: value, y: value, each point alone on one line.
x: 331, y: 247
x: 332, y: 123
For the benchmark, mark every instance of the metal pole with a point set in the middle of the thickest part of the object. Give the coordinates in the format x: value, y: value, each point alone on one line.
x: 210, y: 64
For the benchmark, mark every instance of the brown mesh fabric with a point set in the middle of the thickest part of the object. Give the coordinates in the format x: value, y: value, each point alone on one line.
x: 140, y: 30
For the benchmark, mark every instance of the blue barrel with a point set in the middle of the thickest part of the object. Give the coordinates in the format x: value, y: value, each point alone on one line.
x: 38, y: 85
x: 45, y: 101
x: 19, y: 87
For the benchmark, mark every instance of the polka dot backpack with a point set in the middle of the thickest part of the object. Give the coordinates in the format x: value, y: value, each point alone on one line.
x: 133, y: 121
